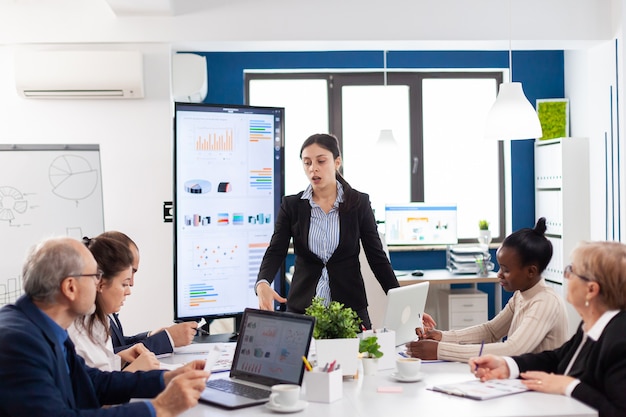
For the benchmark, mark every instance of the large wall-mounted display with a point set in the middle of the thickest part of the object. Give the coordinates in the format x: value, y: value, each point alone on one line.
x: 228, y: 183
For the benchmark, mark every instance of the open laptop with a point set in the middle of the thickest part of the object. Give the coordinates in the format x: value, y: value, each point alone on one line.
x: 269, y: 351
x: 405, y: 307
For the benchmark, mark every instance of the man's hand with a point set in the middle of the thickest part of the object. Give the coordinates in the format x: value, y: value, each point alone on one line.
x: 147, y: 361
x: 267, y: 296
x: 182, y: 391
x: 423, y: 349
x: 183, y: 333
x: 133, y: 352
x: 195, y: 365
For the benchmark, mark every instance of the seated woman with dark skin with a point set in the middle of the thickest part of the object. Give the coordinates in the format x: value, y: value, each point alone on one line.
x: 533, y: 320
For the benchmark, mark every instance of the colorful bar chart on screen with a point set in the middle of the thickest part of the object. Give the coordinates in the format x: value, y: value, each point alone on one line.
x: 255, y: 256
x: 215, y: 140
x: 201, y: 294
x: 260, y: 130
x: 261, y: 179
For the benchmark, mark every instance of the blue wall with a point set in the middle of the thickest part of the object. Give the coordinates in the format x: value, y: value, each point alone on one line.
x: 541, y: 73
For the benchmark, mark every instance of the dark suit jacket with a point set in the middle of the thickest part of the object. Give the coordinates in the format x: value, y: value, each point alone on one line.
x: 600, y: 366
x: 159, y: 343
x: 34, y: 379
x: 344, y: 271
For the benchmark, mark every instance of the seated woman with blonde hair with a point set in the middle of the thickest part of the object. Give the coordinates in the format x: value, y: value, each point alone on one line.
x: 591, y: 366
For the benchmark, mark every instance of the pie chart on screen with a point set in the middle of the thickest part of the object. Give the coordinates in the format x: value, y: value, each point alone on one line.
x: 72, y: 177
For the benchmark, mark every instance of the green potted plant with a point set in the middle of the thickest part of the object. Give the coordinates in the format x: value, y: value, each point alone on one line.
x: 484, y: 234
x: 335, y: 334
x: 370, y: 352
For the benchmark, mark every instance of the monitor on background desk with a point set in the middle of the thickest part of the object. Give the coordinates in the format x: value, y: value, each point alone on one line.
x: 421, y: 224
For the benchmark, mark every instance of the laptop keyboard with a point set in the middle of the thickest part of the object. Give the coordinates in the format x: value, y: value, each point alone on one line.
x: 247, y: 391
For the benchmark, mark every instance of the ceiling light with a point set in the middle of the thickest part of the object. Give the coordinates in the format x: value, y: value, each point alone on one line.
x: 512, y: 116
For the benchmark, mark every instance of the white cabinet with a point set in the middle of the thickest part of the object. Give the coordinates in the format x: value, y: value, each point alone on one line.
x: 562, y: 197
x: 461, y: 307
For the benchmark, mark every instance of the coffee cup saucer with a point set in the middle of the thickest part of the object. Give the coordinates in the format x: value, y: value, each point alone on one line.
x: 401, y: 378
x: 299, y: 406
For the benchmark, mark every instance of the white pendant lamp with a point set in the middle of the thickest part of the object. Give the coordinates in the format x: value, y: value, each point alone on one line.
x: 512, y: 116
x: 385, y: 136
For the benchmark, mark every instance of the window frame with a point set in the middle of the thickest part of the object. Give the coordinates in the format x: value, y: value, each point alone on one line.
x: 336, y: 80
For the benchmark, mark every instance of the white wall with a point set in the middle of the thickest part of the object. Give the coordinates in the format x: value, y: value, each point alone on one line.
x: 136, y: 153
x: 591, y: 85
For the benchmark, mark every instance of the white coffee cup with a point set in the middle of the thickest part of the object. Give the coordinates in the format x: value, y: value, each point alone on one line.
x: 408, y: 367
x: 285, y: 395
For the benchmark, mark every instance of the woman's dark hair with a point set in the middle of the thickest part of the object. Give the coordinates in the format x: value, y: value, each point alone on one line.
x: 112, y: 257
x: 531, y: 245
x: 331, y: 144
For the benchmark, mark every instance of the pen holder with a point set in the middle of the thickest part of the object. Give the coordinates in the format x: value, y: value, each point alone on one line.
x: 323, y: 387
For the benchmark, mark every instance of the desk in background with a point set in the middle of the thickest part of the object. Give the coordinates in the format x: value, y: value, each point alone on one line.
x: 361, y: 399
x: 441, y: 277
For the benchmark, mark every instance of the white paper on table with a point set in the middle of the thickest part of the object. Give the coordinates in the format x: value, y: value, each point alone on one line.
x: 214, y: 354
x: 170, y: 366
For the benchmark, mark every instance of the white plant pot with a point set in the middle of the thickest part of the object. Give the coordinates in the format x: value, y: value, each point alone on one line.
x: 484, y: 237
x: 370, y: 365
x: 344, y: 351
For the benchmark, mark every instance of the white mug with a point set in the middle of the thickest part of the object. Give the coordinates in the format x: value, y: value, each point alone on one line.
x: 285, y: 395
x: 408, y: 367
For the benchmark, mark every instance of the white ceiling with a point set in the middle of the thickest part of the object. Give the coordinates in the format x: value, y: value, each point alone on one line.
x: 318, y: 25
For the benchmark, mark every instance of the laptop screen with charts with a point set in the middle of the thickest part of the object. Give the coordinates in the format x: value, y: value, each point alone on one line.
x: 269, y: 351
x: 405, y: 307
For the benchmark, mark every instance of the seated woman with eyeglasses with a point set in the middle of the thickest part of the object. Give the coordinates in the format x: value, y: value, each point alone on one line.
x: 591, y: 366
x: 90, y: 333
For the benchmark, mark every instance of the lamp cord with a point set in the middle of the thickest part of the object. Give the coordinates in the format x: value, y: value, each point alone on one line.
x: 385, y: 68
x: 510, y: 47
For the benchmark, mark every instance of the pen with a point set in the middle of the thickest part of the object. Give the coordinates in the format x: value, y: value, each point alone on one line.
x: 480, y: 352
x: 331, y: 367
x: 307, y: 365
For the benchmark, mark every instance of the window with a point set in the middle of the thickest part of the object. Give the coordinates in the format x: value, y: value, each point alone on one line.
x: 438, y: 154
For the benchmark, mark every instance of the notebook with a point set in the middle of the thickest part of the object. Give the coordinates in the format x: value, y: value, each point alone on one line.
x: 405, y: 306
x: 477, y: 390
x: 269, y: 351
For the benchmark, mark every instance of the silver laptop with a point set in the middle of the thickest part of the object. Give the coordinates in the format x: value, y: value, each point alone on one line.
x: 405, y: 307
x: 269, y: 351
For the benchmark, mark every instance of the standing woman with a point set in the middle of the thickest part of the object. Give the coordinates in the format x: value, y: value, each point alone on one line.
x: 591, y: 366
x: 327, y: 222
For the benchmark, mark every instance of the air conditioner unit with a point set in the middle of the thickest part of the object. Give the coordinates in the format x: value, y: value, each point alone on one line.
x: 79, y: 74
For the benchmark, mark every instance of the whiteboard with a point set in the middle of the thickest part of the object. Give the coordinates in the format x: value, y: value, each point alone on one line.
x: 45, y: 190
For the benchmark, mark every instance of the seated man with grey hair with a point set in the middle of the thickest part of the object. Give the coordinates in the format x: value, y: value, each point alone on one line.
x: 40, y: 373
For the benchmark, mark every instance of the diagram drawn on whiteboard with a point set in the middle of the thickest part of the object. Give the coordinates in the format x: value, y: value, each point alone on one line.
x: 72, y: 177
x: 12, y: 202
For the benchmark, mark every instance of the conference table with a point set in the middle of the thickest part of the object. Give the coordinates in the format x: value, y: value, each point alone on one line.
x: 365, y: 396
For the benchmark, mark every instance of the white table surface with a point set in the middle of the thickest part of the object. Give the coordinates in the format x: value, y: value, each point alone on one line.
x: 360, y: 398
